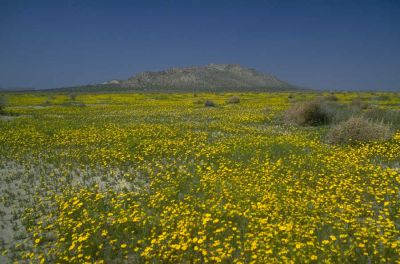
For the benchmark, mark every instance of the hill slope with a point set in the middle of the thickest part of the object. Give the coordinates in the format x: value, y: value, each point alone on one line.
x: 209, y: 78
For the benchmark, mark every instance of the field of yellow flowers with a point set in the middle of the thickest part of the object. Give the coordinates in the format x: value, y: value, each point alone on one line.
x: 159, y: 178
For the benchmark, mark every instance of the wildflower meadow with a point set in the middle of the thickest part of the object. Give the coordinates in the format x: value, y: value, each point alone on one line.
x: 166, y: 178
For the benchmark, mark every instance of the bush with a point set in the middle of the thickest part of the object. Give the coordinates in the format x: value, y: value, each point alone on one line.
x: 47, y: 102
x: 340, y: 113
x: 209, y: 103
x: 233, y: 100
x: 72, y: 97
x: 390, y: 117
x: 308, y: 113
x: 358, y: 103
x: 331, y: 97
x: 3, y: 103
x: 357, y: 130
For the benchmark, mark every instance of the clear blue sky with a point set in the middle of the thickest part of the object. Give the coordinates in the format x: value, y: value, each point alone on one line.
x: 321, y: 44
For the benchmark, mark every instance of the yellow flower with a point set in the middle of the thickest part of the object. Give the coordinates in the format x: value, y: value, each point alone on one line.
x: 72, y: 246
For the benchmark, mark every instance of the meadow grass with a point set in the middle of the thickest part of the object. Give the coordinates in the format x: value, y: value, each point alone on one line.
x: 160, y: 178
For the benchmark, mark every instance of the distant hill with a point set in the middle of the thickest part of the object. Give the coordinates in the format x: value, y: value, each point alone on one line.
x: 16, y: 89
x: 209, y: 78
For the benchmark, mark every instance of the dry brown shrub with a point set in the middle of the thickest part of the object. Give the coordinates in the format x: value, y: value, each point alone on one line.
x: 307, y: 113
x: 233, y: 100
x: 357, y: 130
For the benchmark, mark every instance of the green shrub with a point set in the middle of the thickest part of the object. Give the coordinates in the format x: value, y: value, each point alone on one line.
x: 72, y: 96
x: 47, y: 103
x: 340, y: 113
x: 3, y: 103
x: 390, y: 117
x: 331, y: 97
x: 233, y: 100
x: 308, y: 113
x: 357, y: 130
x: 209, y: 103
x: 359, y: 104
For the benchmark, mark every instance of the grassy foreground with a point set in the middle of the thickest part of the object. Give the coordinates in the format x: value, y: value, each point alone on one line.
x: 159, y: 178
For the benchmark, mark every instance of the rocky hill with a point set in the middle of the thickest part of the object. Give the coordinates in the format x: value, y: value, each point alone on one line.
x: 209, y: 78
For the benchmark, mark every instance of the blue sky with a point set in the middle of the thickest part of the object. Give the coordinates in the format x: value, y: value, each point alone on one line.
x: 347, y: 45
